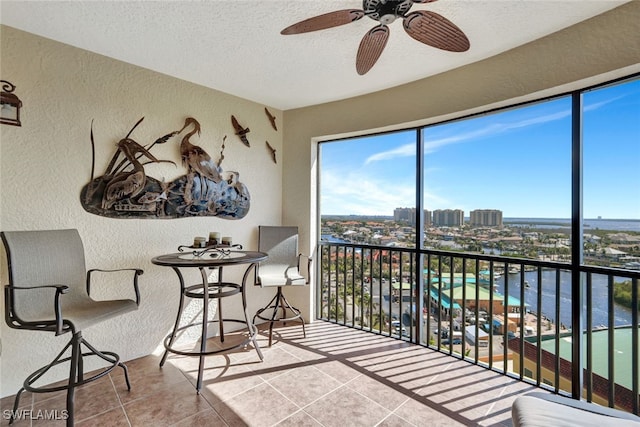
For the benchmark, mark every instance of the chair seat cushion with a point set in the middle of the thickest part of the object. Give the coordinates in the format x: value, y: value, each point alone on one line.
x: 91, y: 313
x: 280, y: 275
x: 544, y: 410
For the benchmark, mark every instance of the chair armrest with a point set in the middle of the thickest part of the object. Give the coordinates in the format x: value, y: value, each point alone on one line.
x: 57, y: 307
x: 309, y: 259
x: 136, y: 272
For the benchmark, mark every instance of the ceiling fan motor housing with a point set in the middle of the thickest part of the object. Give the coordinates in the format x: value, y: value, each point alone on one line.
x: 386, y: 11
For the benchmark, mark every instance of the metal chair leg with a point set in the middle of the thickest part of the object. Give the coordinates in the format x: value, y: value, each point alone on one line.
x: 16, y: 402
x: 76, y: 375
x: 279, y: 302
x: 76, y: 355
x: 274, y: 317
x: 295, y: 311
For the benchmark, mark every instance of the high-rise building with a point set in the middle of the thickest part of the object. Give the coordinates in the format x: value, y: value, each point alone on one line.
x: 448, y: 217
x: 404, y: 214
x: 409, y: 215
x: 486, y: 217
x: 427, y: 218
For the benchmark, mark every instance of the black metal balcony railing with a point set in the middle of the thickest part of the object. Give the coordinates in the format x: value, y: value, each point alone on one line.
x: 511, y: 315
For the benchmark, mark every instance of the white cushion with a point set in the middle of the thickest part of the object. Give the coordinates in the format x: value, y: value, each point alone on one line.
x: 279, y: 275
x: 542, y: 410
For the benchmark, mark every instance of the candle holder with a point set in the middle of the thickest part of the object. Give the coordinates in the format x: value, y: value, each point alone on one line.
x: 212, y: 250
x: 214, y: 239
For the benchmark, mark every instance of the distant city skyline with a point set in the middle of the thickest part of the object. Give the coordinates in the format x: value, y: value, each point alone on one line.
x: 619, y: 224
x: 467, y: 218
x: 517, y: 161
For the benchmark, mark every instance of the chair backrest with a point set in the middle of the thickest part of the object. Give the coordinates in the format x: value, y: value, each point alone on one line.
x: 281, y: 243
x: 38, y: 258
x: 281, y: 268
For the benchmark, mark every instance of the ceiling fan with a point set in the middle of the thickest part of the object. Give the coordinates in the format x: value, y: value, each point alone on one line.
x: 427, y: 27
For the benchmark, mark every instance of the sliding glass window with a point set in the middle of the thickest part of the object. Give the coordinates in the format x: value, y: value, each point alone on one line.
x: 498, y: 183
x: 611, y: 175
x: 368, y: 189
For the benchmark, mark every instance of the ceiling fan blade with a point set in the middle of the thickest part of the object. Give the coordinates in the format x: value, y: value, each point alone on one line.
x: 435, y: 30
x: 322, y: 22
x: 371, y: 48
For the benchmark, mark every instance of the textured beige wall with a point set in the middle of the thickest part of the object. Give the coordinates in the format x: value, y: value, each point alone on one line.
x: 602, y: 48
x: 45, y: 163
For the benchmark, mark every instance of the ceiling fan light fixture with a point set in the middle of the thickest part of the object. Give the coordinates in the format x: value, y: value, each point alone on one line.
x: 387, y: 19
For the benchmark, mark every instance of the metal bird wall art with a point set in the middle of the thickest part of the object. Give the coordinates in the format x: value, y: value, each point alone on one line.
x: 127, y: 183
x: 126, y: 191
x: 272, y: 151
x: 240, y: 131
x: 196, y: 159
x: 272, y: 118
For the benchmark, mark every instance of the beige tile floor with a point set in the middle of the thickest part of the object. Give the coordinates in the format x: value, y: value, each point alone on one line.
x: 336, y: 376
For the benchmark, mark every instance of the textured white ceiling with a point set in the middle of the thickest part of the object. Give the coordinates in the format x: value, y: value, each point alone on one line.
x: 235, y: 46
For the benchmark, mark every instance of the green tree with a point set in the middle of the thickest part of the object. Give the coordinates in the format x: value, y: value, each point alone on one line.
x: 622, y: 294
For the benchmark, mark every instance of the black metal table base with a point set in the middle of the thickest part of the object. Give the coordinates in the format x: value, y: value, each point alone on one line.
x: 206, y: 292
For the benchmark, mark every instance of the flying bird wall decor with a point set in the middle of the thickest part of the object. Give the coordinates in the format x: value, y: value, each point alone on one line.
x: 424, y: 26
x: 240, y: 131
x: 272, y: 118
x: 272, y: 151
x: 126, y: 191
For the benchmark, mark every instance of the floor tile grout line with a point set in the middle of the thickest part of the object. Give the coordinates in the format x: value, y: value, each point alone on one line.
x: 96, y: 414
x: 156, y: 391
x: 200, y: 412
x: 395, y: 415
x: 211, y: 405
x: 113, y: 384
x: 322, y: 396
x: 300, y: 410
x: 490, y: 409
x: 292, y: 402
x: 367, y: 397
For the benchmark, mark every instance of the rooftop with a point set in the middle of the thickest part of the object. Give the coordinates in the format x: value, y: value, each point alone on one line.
x: 622, y: 352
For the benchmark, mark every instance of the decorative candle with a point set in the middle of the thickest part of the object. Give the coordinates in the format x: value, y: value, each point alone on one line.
x: 214, y: 238
x: 227, y: 241
x: 199, y: 242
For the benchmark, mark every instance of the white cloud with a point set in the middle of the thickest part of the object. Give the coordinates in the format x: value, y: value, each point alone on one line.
x: 596, y: 105
x: 492, y: 129
x: 359, y: 194
x: 432, y: 145
x: 406, y: 150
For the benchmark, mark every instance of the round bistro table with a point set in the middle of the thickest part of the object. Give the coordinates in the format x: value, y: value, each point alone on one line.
x: 203, y: 260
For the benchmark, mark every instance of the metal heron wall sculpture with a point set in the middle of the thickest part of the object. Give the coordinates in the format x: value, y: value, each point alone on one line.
x: 126, y: 191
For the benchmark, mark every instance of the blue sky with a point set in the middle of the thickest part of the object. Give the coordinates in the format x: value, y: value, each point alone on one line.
x: 517, y: 161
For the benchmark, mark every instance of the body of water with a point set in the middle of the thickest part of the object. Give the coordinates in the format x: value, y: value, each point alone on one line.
x: 588, y: 224
x: 331, y: 239
x: 600, y: 310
